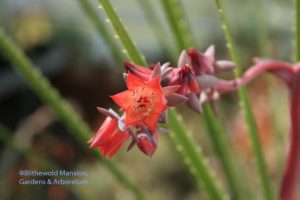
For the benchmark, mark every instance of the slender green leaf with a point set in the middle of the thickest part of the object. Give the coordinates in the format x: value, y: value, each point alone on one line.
x: 91, y: 12
x: 244, y: 101
x: 157, y: 27
x: 220, y: 145
x: 194, y: 157
x: 128, y: 44
x: 178, y: 25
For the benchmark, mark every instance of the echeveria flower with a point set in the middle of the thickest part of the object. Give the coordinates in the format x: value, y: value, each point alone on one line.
x: 144, y: 101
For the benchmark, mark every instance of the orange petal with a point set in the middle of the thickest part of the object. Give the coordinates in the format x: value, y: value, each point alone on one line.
x: 123, y: 99
x: 154, y: 84
x: 104, y: 133
x: 122, y: 140
x: 160, y: 106
x: 115, y: 143
x: 132, y: 117
x: 134, y: 82
x: 151, y: 121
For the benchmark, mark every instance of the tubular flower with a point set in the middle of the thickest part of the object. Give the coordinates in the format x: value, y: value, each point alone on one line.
x: 144, y: 101
x: 109, y: 138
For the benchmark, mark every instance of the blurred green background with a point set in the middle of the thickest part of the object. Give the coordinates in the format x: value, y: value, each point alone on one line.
x: 62, y: 42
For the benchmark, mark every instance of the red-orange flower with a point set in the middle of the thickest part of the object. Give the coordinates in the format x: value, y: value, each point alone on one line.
x: 144, y: 101
x: 109, y: 138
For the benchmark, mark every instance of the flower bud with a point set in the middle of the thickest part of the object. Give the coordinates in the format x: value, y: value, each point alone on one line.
x: 147, y: 143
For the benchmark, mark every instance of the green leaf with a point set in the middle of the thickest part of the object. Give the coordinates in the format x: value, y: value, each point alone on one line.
x: 91, y: 12
x: 194, y: 157
x: 128, y: 44
x: 158, y: 28
x: 179, y: 27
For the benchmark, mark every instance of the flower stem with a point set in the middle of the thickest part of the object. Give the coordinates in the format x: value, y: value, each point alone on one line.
x: 194, y: 158
x: 292, y: 169
x: 244, y: 101
x: 128, y: 44
x: 42, y: 87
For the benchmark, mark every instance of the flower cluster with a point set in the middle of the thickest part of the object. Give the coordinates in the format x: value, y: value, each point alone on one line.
x: 196, y: 73
x: 144, y: 105
x: 150, y: 92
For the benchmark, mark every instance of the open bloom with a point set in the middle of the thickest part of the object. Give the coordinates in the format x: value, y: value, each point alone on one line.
x: 109, y: 138
x: 162, y: 72
x: 144, y: 101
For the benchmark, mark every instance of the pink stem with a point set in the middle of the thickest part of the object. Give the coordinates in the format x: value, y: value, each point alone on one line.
x: 291, y: 75
x: 292, y: 169
x: 282, y: 69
